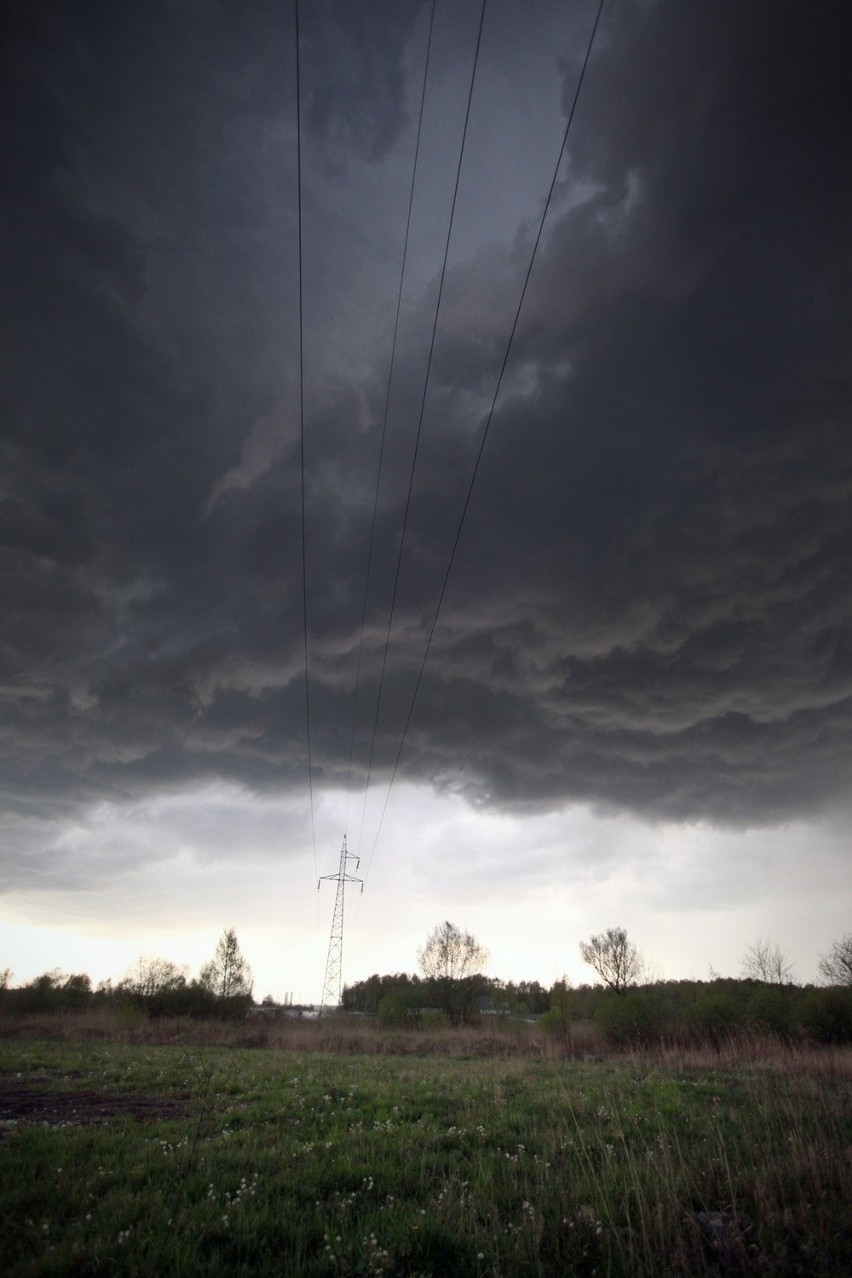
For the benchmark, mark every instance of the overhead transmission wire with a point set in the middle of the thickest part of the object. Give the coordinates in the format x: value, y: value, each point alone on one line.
x: 486, y: 428
x: 302, y: 444
x: 420, y: 423
x: 387, y: 408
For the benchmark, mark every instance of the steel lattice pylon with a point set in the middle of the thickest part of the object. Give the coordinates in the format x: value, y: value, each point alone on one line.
x: 333, y: 984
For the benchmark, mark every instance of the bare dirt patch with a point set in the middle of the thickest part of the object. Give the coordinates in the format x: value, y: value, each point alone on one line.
x: 25, y: 1101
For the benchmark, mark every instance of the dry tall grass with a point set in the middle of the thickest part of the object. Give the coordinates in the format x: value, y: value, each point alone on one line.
x: 348, y: 1036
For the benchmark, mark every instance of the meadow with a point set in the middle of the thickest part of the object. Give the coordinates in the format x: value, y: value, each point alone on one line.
x: 345, y: 1150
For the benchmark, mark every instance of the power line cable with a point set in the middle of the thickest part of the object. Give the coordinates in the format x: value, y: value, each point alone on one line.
x: 302, y: 444
x: 420, y: 422
x: 387, y: 407
x: 486, y: 429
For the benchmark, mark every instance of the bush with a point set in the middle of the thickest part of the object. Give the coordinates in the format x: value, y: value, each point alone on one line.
x: 712, y: 1017
x: 400, y: 1008
x: 770, y: 1007
x: 193, y: 1000
x: 628, y: 1018
x: 827, y: 1015
x: 556, y: 1021
x: 563, y: 1009
x: 50, y: 992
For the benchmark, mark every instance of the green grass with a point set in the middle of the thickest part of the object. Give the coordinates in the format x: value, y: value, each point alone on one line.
x: 283, y: 1163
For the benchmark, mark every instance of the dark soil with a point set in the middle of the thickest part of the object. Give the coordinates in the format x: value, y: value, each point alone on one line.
x: 33, y: 1102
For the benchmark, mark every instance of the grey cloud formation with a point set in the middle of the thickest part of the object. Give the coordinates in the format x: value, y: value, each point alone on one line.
x: 354, y: 86
x: 650, y: 607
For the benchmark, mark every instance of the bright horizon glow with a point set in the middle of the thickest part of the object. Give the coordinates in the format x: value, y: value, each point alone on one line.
x: 691, y: 897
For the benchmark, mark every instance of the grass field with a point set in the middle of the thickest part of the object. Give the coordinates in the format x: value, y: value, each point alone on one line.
x: 117, y: 1158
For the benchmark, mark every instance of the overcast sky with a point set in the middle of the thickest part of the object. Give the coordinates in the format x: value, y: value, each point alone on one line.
x: 637, y: 705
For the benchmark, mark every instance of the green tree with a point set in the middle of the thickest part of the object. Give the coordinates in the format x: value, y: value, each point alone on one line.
x: 402, y: 1005
x: 557, y: 1019
x: 77, y: 990
x: 227, y: 975
x: 41, y: 993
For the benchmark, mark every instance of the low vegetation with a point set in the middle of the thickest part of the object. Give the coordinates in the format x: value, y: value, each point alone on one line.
x: 626, y: 1009
x: 444, y: 1124
x: 119, y: 1158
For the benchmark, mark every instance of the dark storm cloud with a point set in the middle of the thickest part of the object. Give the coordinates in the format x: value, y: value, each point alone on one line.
x: 672, y: 512
x: 354, y: 87
x: 650, y: 608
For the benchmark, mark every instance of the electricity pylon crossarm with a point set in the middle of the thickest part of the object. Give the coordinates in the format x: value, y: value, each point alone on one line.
x: 333, y: 984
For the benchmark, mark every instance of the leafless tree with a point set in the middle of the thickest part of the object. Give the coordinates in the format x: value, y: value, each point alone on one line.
x: 766, y: 962
x: 452, y: 962
x: 836, y: 966
x: 151, y: 975
x: 450, y: 954
x: 227, y: 974
x: 616, y: 959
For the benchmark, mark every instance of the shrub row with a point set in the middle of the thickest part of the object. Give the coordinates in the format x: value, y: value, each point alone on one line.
x: 52, y: 993
x: 709, y: 1012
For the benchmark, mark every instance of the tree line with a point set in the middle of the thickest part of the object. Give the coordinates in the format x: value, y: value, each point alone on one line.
x: 156, y: 985
x: 627, y: 1003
